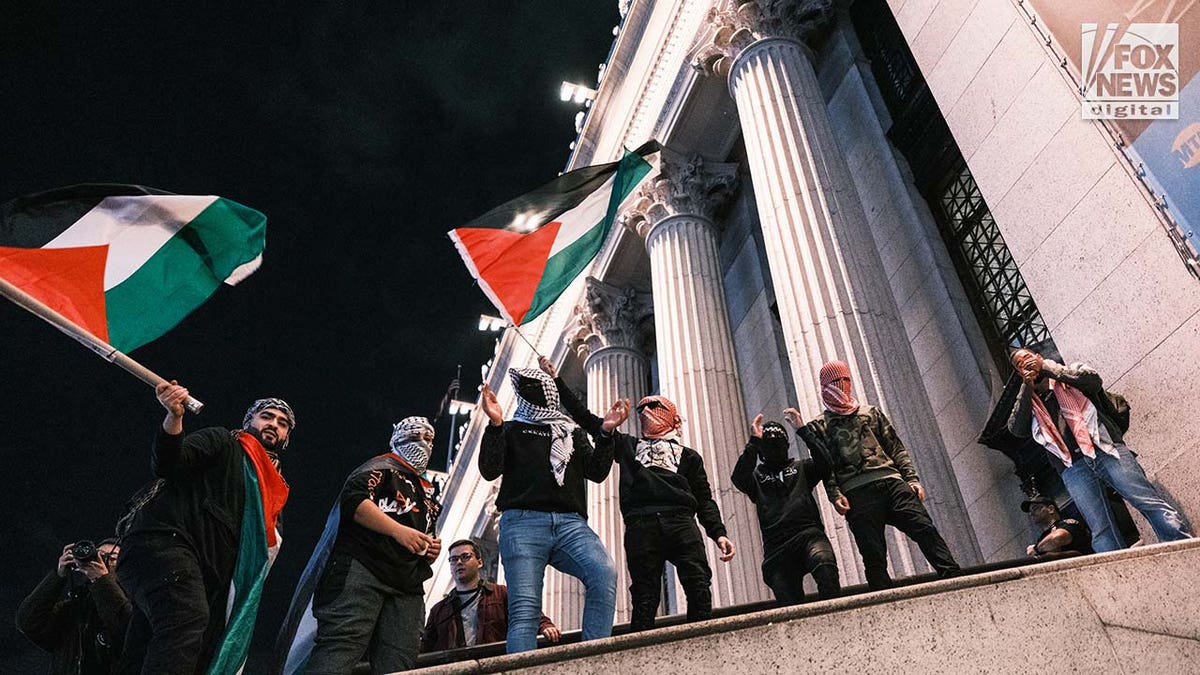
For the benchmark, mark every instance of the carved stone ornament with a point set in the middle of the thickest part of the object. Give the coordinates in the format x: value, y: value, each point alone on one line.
x: 741, y: 23
x: 609, y: 316
x: 688, y: 186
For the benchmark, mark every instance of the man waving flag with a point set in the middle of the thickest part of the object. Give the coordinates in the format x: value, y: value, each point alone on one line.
x: 525, y: 253
x: 116, y: 266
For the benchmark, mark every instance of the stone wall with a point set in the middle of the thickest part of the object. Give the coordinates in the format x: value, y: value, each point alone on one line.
x: 1111, y: 287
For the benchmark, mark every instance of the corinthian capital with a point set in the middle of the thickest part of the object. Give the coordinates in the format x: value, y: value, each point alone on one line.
x: 741, y: 23
x: 683, y: 186
x: 609, y: 316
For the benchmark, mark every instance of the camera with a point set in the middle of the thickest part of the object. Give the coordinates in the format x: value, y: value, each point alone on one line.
x: 85, y: 550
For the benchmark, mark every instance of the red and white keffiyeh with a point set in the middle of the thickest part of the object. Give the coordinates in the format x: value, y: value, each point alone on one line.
x: 835, y: 388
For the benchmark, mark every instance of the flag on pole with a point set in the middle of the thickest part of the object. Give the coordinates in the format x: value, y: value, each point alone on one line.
x: 525, y: 253
x: 124, y: 262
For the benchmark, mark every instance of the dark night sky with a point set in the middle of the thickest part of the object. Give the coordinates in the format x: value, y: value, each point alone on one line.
x: 364, y: 131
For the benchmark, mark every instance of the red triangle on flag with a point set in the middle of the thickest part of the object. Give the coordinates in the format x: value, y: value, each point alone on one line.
x: 509, y: 265
x: 68, y: 280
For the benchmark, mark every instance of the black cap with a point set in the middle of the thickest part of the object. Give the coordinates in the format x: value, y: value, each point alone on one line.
x: 1037, y: 500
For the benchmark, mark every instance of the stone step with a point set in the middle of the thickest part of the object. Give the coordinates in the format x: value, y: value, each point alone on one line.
x: 1136, y: 610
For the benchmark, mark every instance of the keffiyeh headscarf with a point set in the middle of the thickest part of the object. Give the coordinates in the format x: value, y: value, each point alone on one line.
x: 837, y: 394
x: 408, y: 443
x: 276, y: 403
x: 659, y: 417
x: 561, y: 426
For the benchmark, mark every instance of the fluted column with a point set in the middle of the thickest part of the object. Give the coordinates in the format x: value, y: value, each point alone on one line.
x: 834, y: 299
x: 696, y: 363
x: 608, y: 328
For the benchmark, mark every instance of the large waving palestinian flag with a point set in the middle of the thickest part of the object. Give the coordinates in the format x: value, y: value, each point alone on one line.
x: 525, y: 253
x: 126, y: 263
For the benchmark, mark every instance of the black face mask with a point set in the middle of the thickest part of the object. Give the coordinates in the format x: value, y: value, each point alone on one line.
x: 774, y: 449
x: 531, y: 390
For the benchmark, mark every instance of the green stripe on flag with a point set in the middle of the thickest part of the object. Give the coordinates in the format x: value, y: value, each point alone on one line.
x: 563, y: 267
x: 183, y: 273
x: 249, y: 574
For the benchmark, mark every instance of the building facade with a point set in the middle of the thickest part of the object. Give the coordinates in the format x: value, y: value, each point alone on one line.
x: 905, y: 185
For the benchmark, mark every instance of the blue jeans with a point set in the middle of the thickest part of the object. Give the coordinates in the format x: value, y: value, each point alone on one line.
x: 1084, y: 480
x: 530, y: 540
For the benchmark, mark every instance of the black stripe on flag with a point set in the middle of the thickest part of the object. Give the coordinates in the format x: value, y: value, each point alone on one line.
x: 558, y: 196
x: 35, y: 220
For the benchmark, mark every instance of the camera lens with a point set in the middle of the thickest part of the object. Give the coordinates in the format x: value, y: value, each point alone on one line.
x: 84, y: 551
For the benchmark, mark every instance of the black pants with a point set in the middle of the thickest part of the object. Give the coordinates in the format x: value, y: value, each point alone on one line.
x: 892, y: 502
x: 649, y: 542
x: 170, y: 630
x: 809, y: 552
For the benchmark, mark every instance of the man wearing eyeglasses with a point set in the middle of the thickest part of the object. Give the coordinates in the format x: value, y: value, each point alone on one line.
x: 475, y: 611
x: 78, y: 613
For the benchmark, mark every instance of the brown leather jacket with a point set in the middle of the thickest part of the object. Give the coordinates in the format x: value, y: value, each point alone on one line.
x: 441, y: 629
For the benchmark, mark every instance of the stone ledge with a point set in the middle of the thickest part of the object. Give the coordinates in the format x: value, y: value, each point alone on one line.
x: 978, y: 587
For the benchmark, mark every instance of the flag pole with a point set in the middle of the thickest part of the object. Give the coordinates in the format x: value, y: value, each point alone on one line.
x: 518, y: 330
x: 103, y: 349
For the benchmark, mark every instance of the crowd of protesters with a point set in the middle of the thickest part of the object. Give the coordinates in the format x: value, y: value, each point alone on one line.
x: 178, y: 591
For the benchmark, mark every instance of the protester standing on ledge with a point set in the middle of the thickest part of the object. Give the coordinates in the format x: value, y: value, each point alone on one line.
x: 198, y: 547
x: 794, y: 541
x: 365, y: 577
x: 1067, y: 411
x: 873, y: 482
x: 663, y: 489
x: 545, y: 460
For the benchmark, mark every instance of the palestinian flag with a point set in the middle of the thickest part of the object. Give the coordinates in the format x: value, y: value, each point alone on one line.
x: 526, y: 252
x: 126, y: 263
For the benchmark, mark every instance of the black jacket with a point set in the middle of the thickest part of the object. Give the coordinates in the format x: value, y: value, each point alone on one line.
x: 398, y: 492
x: 783, y: 496
x: 200, y: 503
x: 83, y: 627
x: 521, y: 453
x: 1112, y: 411
x: 646, y: 490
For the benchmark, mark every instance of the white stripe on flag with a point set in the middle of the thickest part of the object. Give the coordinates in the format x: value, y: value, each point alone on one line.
x: 581, y: 219
x: 134, y: 227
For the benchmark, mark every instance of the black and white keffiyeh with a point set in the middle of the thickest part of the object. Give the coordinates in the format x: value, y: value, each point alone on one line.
x: 407, y: 441
x: 663, y: 453
x: 551, y: 415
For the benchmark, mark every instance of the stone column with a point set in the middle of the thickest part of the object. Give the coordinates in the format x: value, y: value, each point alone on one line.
x: 834, y: 299
x: 608, y: 330
x: 696, y: 363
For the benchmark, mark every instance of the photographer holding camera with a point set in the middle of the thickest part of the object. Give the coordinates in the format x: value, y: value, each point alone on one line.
x: 78, y: 613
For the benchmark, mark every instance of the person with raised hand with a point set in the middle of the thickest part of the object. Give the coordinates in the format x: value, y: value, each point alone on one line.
x: 545, y: 460
x: 663, y: 490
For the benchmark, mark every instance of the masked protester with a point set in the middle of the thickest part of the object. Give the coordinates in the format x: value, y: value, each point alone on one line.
x: 365, y: 578
x: 663, y: 490
x: 873, y: 482
x: 545, y: 460
x: 1067, y: 411
x: 794, y: 541
x: 197, y: 547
